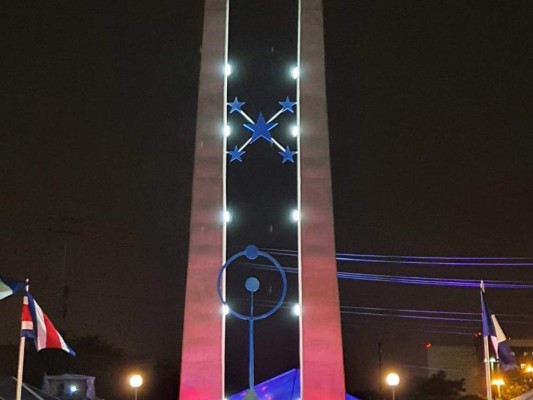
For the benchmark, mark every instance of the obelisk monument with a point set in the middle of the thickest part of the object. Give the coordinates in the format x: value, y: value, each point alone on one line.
x: 320, y: 349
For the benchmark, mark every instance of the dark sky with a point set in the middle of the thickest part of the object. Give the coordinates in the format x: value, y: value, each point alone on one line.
x: 430, y: 123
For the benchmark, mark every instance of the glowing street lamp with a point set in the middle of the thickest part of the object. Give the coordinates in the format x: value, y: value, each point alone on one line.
x: 498, y: 382
x: 529, y: 369
x: 393, y: 379
x: 135, y: 382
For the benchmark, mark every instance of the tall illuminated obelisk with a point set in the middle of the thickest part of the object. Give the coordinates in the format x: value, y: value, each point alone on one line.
x: 203, y: 359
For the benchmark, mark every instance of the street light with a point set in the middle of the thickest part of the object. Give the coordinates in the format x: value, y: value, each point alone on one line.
x: 393, y: 380
x: 498, y: 382
x: 529, y: 369
x: 135, y: 382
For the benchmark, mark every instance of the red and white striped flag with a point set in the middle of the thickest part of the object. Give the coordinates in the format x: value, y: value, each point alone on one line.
x: 36, y: 325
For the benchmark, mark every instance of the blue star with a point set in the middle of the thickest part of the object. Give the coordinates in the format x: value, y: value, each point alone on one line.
x: 236, y: 105
x: 287, y: 105
x: 236, y: 154
x: 261, y: 129
x: 287, y: 155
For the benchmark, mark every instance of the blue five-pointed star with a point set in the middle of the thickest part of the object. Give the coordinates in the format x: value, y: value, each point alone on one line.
x: 236, y: 105
x: 261, y: 129
x: 287, y: 105
x: 287, y: 155
x: 236, y: 154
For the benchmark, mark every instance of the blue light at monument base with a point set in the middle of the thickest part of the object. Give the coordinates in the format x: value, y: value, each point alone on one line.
x: 285, y: 386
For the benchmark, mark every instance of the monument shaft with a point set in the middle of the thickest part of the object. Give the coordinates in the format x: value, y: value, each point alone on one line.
x: 203, y: 359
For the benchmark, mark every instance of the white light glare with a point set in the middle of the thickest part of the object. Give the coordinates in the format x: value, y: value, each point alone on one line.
x: 297, y: 310
x: 295, y: 215
x: 392, y: 379
x: 227, y: 69
x: 227, y: 130
x: 225, y: 309
x: 73, y: 388
x: 136, y: 381
x: 295, y: 131
x: 295, y: 73
x: 227, y: 216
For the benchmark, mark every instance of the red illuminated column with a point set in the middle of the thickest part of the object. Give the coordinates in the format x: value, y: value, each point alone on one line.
x: 202, y: 374
x: 322, y: 367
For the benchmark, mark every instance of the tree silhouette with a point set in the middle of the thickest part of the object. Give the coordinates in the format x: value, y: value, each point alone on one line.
x: 437, y: 387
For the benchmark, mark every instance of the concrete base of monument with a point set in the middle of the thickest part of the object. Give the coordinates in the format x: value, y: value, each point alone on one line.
x: 282, y: 387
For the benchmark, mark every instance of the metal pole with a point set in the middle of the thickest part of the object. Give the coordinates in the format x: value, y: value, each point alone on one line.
x: 22, y: 344
x: 486, y: 354
x: 136, y: 389
x: 393, y: 393
x: 380, y: 354
x: 251, y: 343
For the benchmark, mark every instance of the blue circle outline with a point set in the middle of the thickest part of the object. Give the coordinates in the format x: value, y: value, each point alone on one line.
x: 283, y: 280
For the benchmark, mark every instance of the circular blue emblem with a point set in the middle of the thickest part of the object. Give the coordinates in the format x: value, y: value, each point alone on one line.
x: 252, y: 284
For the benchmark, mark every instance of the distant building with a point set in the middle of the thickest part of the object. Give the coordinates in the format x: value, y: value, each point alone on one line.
x: 523, y: 352
x: 70, y: 387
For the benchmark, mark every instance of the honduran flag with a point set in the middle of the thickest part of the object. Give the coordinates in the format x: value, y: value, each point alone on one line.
x: 8, y: 287
x: 36, y: 325
x: 493, y: 330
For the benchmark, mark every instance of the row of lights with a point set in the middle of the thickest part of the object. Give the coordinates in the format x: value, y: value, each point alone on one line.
x: 295, y: 216
x: 296, y: 310
x: 295, y: 71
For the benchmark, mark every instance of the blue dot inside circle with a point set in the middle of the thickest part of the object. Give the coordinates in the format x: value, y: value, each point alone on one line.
x: 252, y: 284
x: 252, y: 252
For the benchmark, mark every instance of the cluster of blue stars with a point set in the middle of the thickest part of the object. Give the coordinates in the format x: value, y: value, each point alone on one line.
x: 261, y: 129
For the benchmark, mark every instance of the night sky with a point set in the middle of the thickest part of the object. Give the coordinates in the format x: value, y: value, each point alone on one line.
x: 430, y: 116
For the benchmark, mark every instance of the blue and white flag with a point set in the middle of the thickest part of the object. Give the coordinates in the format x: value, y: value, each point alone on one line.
x: 8, y: 287
x: 493, y: 330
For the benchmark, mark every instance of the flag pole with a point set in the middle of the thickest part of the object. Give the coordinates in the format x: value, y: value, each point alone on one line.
x: 22, y: 345
x: 486, y: 355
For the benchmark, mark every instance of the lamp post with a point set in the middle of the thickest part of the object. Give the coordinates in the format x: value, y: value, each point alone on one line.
x: 393, y: 380
x: 135, y: 382
x: 498, y: 382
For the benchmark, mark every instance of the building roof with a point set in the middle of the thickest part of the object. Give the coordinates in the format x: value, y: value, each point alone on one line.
x: 8, y: 388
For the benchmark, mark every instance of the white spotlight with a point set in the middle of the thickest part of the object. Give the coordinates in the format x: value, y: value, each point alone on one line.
x: 227, y: 130
x: 227, y: 216
x: 295, y: 73
x: 225, y: 309
x: 295, y: 215
x: 227, y: 69
x: 297, y: 310
x: 295, y: 131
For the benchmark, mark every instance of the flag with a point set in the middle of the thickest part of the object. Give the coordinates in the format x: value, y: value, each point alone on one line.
x: 36, y: 325
x: 8, y: 287
x: 493, y: 330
